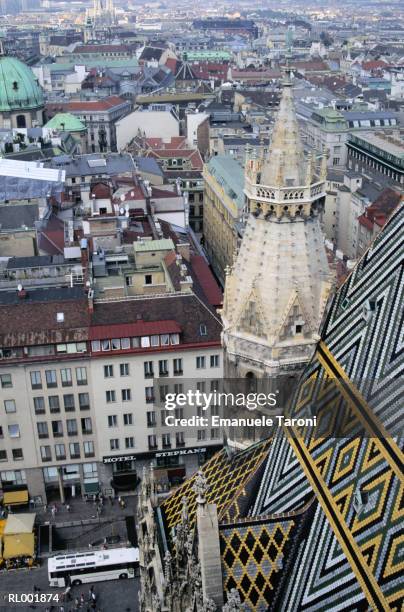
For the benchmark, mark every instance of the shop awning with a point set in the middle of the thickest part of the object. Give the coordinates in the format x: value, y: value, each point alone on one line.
x: 91, y: 488
x: 19, y: 523
x: 18, y: 545
x: 15, y: 498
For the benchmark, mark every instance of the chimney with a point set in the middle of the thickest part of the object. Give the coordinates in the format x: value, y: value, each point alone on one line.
x: 22, y: 294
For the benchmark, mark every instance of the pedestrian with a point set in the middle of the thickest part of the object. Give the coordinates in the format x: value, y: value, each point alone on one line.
x: 76, y: 602
x: 93, y: 596
x: 82, y: 599
x: 68, y: 507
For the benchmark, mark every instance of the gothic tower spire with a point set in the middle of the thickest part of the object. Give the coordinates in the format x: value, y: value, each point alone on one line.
x: 276, y: 292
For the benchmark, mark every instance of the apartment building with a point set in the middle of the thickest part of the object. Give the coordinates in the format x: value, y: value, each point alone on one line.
x: 80, y: 387
x: 99, y: 116
x: 223, y: 211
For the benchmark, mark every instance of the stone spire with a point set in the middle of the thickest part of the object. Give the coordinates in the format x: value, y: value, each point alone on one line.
x: 277, y: 289
x: 284, y: 164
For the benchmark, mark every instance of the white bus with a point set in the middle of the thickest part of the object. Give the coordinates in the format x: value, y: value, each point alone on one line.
x: 95, y: 566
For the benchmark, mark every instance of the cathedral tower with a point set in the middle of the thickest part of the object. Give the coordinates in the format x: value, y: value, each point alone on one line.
x: 277, y: 289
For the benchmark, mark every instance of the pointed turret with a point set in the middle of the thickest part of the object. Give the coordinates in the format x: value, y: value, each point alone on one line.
x: 285, y: 163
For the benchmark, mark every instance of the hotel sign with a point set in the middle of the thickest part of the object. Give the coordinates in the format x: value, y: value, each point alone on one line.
x: 181, y: 451
x: 118, y: 458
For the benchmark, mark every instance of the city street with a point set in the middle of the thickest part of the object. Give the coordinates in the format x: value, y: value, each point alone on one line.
x: 108, y: 593
x: 77, y: 528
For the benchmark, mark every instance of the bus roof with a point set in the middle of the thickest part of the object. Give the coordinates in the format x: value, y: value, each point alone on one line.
x: 93, y: 559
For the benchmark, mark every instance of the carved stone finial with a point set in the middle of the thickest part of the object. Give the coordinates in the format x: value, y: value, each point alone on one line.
x: 200, y: 487
x: 209, y: 606
x: 184, y: 511
x: 233, y: 602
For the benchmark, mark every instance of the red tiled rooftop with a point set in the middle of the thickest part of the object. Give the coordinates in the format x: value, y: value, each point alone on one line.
x: 163, y: 193
x: 374, y: 65
x: 128, y: 330
x: 102, y: 48
x: 176, y: 142
x: 207, y: 281
x: 95, y: 105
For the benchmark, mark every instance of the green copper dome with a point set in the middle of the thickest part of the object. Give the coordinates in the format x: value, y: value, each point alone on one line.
x: 19, y: 89
x: 66, y: 123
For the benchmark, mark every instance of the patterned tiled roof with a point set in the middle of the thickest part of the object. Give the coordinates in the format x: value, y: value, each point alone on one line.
x: 226, y: 479
x: 252, y: 556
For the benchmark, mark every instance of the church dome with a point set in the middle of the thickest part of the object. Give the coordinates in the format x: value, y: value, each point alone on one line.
x: 19, y: 88
x: 66, y: 122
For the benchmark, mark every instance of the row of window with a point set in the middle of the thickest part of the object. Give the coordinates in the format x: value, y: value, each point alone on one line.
x: 17, y: 454
x: 74, y: 451
x: 167, y: 440
x: 69, y: 403
x: 123, y: 370
x: 113, y: 419
x: 110, y: 395
x: 51, y: 378
x: 114, y: 443
x: 119, y: 344
x: 71, y: 428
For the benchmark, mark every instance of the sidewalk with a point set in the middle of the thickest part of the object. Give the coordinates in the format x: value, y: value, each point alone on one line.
x: 81, y: 510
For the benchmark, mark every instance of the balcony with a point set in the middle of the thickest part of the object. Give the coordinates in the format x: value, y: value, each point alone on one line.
x: 163, y: 373
x: 73, y: 433
x: 178, y: 372
x: 148, y: 374
x: 150, y: 400
x: 61, y: 458
x: 180, y: 444
x: 88, y: 455
x: 87, y: 432
x: 58, y: 434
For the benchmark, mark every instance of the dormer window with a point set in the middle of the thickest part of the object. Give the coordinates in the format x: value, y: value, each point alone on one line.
x: 202, y: 330
x: 15, y: 85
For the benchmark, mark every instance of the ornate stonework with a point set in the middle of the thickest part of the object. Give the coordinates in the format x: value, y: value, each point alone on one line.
x: 277, y: 291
